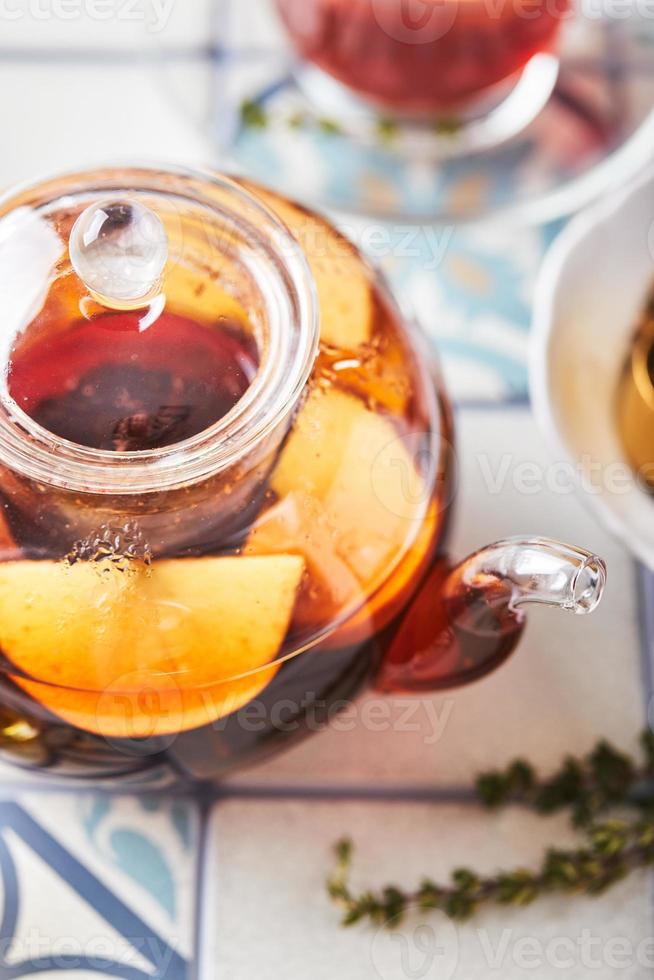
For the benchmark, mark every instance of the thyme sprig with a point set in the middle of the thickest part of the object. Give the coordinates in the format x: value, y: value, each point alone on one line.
x: 588, y: 786
x: 387, y: 129
x: 254, y: 115
x: 610, y: 849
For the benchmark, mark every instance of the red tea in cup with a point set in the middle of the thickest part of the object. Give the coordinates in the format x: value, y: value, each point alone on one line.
x: 422, y: 56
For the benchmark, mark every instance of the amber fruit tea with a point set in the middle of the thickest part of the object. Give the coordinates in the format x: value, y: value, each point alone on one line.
x: 176, y: 635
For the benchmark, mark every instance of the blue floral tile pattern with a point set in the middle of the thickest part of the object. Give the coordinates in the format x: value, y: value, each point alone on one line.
x: 340, y: 172
x: 471, y: 291
x: 475, y: 305
x: 97, y: 884
x: 315, y: 151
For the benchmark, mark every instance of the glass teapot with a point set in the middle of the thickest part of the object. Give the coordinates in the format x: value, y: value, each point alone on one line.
x: 225, y: 474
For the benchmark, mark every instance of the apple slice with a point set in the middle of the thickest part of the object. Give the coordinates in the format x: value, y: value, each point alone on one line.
x: 354, y: 461
x: 350, y: 501
x: 203, y: 299
x: 342, y: 277
x: 301, y: 522
x: 150, y: 651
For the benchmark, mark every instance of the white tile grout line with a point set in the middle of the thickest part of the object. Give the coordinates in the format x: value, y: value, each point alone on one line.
x: 82, y: 56
x: 645, y: 582
x: 204, y: 807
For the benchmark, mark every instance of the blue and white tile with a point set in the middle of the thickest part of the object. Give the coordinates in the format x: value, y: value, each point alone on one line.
x: 100, y: 884
x: 472, y: 293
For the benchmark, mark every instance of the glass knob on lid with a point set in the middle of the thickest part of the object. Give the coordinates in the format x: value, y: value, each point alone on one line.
x: 119, y: 249
x: 162, y: 315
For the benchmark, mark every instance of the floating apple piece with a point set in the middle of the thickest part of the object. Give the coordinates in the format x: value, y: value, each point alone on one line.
x: 342, y: 278
x: 350, y: 502
x: 150, y: 650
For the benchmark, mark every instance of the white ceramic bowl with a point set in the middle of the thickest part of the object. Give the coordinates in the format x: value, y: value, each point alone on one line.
x: 591, y: 290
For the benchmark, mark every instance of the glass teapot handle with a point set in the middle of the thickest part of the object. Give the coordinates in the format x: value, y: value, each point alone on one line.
x: 466, y: 620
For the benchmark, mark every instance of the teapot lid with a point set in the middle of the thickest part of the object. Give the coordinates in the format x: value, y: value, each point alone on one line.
x: 133, y: 257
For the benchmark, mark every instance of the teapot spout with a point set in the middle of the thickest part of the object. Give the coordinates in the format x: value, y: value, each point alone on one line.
x: 466, y: 620
x: 539, y: 570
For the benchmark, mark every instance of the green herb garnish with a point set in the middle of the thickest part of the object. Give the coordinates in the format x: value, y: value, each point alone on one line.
x: 253, y: 115
x: 610, y: 848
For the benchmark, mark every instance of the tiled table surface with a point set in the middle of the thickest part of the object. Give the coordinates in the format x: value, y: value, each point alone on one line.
x: 232, y: 886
